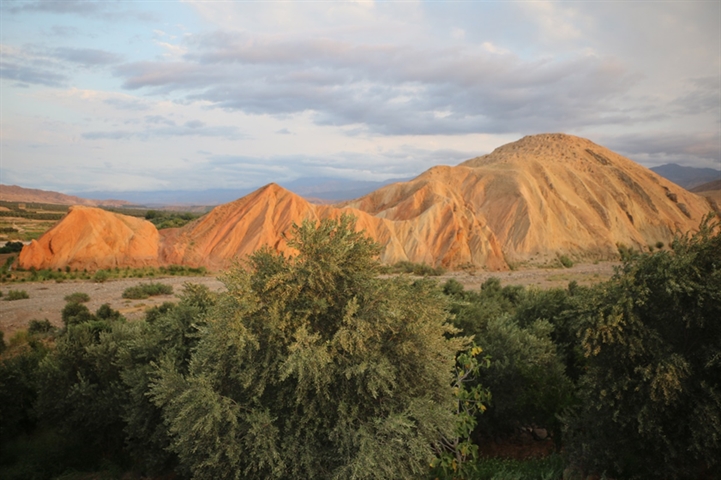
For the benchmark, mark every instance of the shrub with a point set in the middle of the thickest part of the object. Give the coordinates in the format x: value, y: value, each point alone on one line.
x: 104, y: 312
x: 312, y: 367
x: 12, y: 247
x: 77, y: 297
x: 101, y: 276
x: 565, y: 261
x: 16, y: 295
x: 40, y: 327
x: 651, y: 336
x: 75, y: 313
x: 146, y: 290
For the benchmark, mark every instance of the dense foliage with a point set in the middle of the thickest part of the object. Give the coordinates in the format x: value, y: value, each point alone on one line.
x: 651, y: 392
x: 313, y: 366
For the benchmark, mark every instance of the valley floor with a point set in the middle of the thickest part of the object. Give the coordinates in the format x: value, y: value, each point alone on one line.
x: 46, y: 299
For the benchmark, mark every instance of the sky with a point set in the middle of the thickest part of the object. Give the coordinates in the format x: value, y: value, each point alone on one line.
x: 191, y: 95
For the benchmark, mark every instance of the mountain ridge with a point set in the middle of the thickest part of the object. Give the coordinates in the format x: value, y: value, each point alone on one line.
x: 530, y: 201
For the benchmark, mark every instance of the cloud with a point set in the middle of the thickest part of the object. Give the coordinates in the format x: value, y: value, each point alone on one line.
x: 168, y: 129
x: 127, y: 102
x: 31, y: 75
x: 389, y: 89
x: 105, y: 10
x: 88, y: 57
x: 655, y: 148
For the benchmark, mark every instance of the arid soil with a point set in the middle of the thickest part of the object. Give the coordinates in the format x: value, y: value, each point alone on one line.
x: 47, y: 298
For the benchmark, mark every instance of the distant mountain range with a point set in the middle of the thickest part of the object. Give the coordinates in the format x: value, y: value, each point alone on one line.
x: 323, y: 189
x: 687, y: 177
x: 530, y: 202
x: 13, y: 193
x: 314, y: 189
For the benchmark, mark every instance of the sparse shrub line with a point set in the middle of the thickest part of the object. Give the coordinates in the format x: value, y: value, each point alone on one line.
x: 146, y: 290
x: 77, y: 297
x: 420, y: 269
x: 16, y: 295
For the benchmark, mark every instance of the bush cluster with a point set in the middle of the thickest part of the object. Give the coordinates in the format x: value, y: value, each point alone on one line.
x: 420, y: 269
x: 315, y: 367
x: 16, y: 295
x: 12, y: 247
x: 146, y: 290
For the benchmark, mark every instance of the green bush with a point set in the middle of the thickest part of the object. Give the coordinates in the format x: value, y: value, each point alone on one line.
x: 650, y: 395
x: 146, y: 290
x: 12, y: 247
x: 77, y: 297
x: 312, y: 367
x: 101, y: 276
x: 40, y: 326
x: 75, y: 313
x: 16, y: 295
x: 565, y: 261
x: 420, y: 269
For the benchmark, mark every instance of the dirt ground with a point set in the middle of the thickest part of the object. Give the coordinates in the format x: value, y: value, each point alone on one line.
x: 47, y: 298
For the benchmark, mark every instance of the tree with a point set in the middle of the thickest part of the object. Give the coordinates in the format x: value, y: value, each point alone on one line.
x: 651, y: 396
x: 312, y: 367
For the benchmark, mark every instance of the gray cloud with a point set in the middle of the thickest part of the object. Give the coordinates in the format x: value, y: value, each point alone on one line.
x: 191, y: 128
x: 105, y: 10
x: 31, y: 74
x: 393, y: 90
x: 663, y: 147
x: 87, y: 56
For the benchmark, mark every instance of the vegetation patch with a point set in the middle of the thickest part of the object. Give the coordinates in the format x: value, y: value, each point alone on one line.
x: 77, y: 297
x: 420, y: 269
x: 11, y: 247
x: 146, y: 290
x: 315, y: 367
x: 16, y: 295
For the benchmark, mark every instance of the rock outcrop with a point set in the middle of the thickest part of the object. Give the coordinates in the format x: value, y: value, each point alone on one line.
x: 93, y: 238
x: 526, y: 202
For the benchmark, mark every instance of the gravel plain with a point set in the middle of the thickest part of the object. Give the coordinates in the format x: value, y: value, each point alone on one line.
x: 47, y: 298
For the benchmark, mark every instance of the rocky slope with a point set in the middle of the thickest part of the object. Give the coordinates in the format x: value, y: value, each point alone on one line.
x: 526, y: 202
x: 543, y: 196
x: 93, y: 238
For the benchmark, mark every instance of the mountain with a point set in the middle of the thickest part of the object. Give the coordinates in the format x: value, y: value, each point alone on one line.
x: 687, y: 177
x: 319, y: 189
x: 13, y: 193
x: 94, y: 238
x: 712, y: 191
x: 527, y: 202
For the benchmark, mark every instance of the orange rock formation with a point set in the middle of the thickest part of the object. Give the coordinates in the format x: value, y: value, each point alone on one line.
x: 528, y: 201
x: 93, y: 238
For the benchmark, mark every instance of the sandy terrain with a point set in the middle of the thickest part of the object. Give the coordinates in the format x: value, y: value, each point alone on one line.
x: 47, y: 298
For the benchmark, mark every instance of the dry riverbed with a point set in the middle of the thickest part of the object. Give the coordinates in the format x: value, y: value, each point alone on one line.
x: 47, y: 298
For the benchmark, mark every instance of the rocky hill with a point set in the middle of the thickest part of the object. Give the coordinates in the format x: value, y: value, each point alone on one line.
x: 526, y: 202
x: 712, y: 191
x: 94, y: 238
